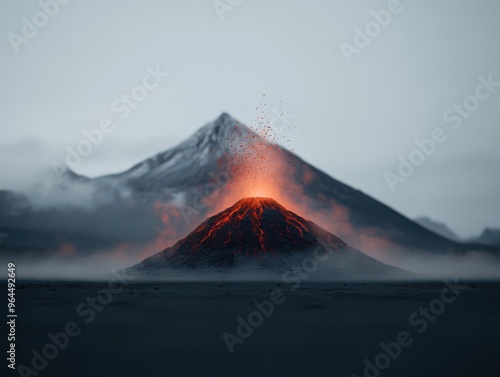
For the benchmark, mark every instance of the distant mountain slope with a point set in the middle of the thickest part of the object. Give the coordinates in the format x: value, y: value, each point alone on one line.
x: 438, y: 228
x: 488, y: 237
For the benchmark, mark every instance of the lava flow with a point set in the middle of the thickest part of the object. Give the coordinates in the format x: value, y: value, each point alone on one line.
x: 259, y: 232
x: 251, y: 227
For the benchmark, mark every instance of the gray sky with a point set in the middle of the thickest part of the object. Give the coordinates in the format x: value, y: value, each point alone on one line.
x: 353, y: 119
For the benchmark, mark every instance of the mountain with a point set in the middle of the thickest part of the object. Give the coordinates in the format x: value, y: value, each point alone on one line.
x: 438, y: 228
x: 184, y: 166
x: 164, y: 197
x: 260, y: 231
x: 488, y: 237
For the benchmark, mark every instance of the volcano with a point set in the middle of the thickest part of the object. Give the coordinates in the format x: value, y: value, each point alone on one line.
x: 261, y: 232
x: 124, y: 206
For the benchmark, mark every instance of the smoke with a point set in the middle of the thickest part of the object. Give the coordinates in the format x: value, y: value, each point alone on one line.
x: 73, y: 269
x: 52, y: 193
x: 68, y: 265
x: 66, y: 262
x: 30, y: 174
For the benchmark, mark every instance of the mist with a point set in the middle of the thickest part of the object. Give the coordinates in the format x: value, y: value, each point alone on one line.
x: 100, y: 266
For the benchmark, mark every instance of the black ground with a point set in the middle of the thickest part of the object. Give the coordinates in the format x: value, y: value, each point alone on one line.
x: 175, y: 329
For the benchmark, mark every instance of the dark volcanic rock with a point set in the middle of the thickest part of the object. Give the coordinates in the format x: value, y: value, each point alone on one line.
x: 260, y: 232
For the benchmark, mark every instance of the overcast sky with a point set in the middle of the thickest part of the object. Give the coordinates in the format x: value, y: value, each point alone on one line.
x: 353, y: 119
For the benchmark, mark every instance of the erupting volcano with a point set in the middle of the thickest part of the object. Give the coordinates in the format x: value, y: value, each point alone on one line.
x: 261, y: 232
x: 253, y: 226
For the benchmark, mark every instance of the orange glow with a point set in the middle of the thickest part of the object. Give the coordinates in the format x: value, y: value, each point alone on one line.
x: 67, y: 249
x: 260, y: 168
x: 231, y: 225
x: 170, y: 232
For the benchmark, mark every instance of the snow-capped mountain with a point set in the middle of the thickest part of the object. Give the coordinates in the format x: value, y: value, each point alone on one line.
x: 185, y: 165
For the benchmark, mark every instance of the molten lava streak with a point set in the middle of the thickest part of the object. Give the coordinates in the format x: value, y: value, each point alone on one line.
x: 252, y: 225
x: 258, y: 233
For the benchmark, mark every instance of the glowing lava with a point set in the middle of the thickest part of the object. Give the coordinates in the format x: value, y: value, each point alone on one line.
x: 259, y: 232
x: 253, y: 226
